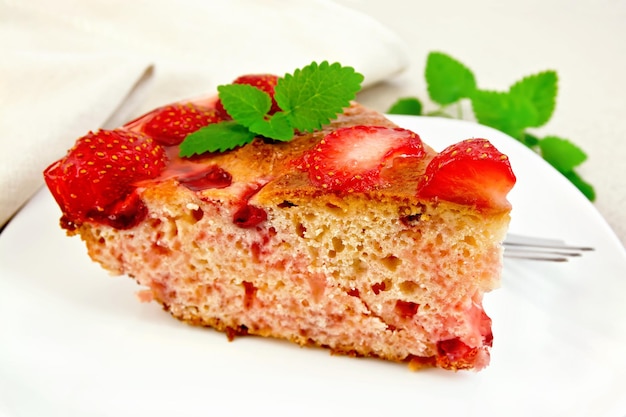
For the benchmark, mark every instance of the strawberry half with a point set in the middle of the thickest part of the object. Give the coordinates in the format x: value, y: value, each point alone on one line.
x: 471, y: 172
x: 351, y: 159
x: 95, y: 181
x: 170, y: 125
x: 264, y: 82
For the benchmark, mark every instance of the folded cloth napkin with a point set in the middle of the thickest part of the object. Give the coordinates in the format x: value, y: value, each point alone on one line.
x: 72, y: 65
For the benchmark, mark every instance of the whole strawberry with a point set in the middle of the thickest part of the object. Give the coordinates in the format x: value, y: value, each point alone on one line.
x: 96, y: 180
x: 169, y: 125
x: 264, y: 82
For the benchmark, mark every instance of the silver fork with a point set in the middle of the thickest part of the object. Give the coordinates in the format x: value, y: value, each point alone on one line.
x: 541, y: 249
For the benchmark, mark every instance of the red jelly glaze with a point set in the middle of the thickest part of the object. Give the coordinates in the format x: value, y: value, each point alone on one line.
x: 249, y: 216
x: 212, y: 177
x: 485, y: 329
x: 378, y: 287
x: 454, y: 349
x: 127, y: 213
x: 354, y: 292
x: 406, y: 309
x: 249, y: 294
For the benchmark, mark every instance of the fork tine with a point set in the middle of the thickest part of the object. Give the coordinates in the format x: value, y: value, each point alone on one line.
x: 538, y: 255
x: 534, y: 256
x: 513, y: 239
x: 540, y: 249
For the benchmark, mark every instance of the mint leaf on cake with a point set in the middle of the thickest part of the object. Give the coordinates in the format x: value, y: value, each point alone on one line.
x: 245, y: 103
x: 276, y: 127
x: 217, y: 137
x: 250, y: 107
x: 274, y: 107
x: 315, y: 94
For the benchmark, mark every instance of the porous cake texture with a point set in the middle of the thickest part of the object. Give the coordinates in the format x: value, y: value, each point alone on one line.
x: 244, y: 242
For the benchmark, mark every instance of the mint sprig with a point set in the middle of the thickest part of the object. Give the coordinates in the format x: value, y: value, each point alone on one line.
x: 308, y: 99
x: 528, y: 103
x: 439, y: 69
x: 217, y: 137
x: 315, y: 94
x: 406, y: 105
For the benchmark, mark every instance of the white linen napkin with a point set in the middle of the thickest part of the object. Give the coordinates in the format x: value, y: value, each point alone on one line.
x: 70, y: 66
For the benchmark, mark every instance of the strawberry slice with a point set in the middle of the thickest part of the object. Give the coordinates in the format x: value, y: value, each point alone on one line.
x: 95, y: 180
x: 170, y: 125
x: 351, y: 159
x: 471, y: 172
x: 264, y: 82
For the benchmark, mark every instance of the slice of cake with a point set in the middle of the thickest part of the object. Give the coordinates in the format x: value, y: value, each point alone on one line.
x: 355, y: 236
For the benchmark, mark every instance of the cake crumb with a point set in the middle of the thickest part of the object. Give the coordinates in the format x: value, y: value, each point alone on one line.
x: 145, y: 296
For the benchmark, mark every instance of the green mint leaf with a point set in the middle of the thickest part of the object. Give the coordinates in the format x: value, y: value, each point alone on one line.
x: 439, y: 113
x: 217, y: 137
x: 561, y: 153
x: 448, y: 80
x: 529, y: 102
x: 315, y: 94
x: 408, y: 105
x: 564, y: 156
x: 529, y: 140
x: 309, y: 98
x: 276, y: 127
x: 506, y: 112
x: 582, y: 185
x: 246, y: 104
x: 540, y: 90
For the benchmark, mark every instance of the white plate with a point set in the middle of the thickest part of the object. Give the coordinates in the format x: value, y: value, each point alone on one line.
x: 76, y: 342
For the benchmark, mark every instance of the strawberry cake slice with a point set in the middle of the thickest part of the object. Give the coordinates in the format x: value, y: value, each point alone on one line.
x: 355, y: 236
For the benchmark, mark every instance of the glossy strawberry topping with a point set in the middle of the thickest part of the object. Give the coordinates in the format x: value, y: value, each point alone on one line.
x: 211, y: 177
x: 170, y: 125
x: 264, y: 82
x: 472, y: 172
x: 95, y: 180
x: 248, y: 216
x: 454, y: 350
x: 351, y: 159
